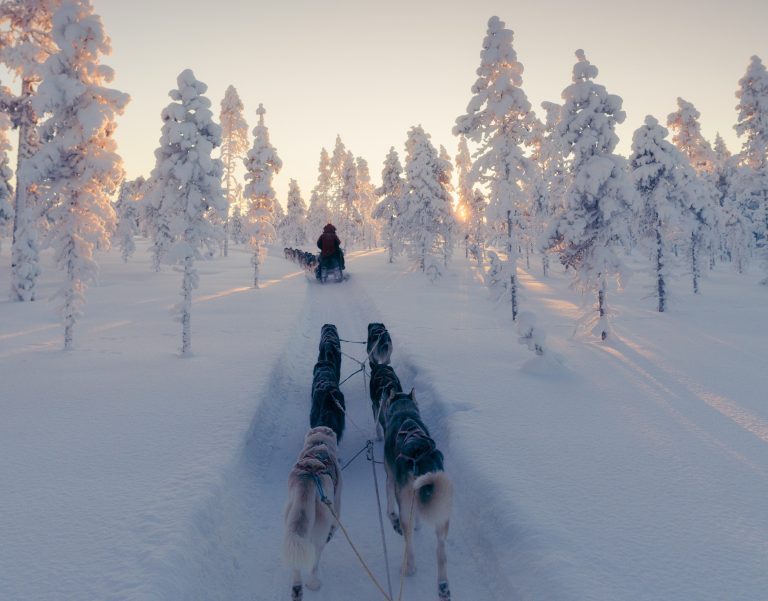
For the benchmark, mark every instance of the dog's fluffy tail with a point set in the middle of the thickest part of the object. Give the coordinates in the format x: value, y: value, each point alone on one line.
x: 434, y: 497
x: 298, y: 550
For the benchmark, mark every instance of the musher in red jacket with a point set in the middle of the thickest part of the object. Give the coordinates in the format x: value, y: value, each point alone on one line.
x: 329, y: 244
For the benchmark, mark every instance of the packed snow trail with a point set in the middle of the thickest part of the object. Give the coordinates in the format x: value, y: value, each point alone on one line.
x: 242, y: 527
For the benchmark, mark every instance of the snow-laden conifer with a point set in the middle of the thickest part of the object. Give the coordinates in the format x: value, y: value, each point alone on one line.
x: 366, y: 193
x: 448, y: 227
x: 127, y: 210
x: 234, y: 143
x: 349, y: 220
x: 736, y: 234
x: 26, y: 42
x: 391, y: 204
x: 76, y: 167
x: 319, y: 213
x: 476, y: 226
x: 599, y: 194
x: 336, y: 179
x: 667, y: 187
x: 237, y: 226
x: 261, y: 164
x: 185, y: 186
x: 500, y: 120
x: 294, y: 229
x: 752, y: 125
x: 687, y: 137
x: 463, y: 192
x: 427, y: 220
x: 6, y: 189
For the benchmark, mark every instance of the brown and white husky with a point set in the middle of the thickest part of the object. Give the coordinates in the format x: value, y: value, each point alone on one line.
x: 309, y: 523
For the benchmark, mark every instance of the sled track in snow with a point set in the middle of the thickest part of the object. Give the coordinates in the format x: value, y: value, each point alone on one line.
x: 235, y: 544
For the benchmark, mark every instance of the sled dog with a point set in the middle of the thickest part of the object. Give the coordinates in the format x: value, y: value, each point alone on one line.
x: 379, y: 344
x: 328, y: 406
x: 384, y: 380
x: 416, y: 481
x: 330, y: 347
x: 309, y: 523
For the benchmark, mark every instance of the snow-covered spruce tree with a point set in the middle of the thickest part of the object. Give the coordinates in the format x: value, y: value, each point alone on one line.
x: 463, y: 192
x: 736, y: 233
x: 500, y: 120
x: 366, y: 193
x: 237, y: 226
x: 476, y: 226
x: 349, y: 221
x: 319, y: 212
x: 687, y: 137
x: 234, y: 143
x: 391, y: 204
x: 553, y: 176
x: 76, y: 167
x: 186, y: 185
x: 25, y: 44
x: 294, y: 230
x: 426, y: 220
x: 261, y: 165
x: 752, y: 178
x: 667, y: 186
x: 599, y: 194
x: 336, y: 179
x: 449, y: 220
x: 496, y: 276
x: 6, y: 189
x: 127, y: 210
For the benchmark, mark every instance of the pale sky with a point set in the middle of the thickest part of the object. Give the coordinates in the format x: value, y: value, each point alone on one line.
x: 370, y: 70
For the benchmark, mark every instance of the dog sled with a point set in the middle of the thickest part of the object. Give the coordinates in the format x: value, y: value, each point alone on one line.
x: 329, y: 269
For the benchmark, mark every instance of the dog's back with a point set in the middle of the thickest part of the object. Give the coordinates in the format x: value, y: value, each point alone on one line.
x: 414, y: 460
x: 328, y: 405
x: 384, y: 381
x: 308, y: 522
x: 379, y: 345
x: 329, y: 348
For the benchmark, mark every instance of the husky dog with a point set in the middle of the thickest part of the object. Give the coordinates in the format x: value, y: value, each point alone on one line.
x: 328, y: 406
x: 308, y: 521
x: 416, y: 480
x: 330, y: 347
x: 384, y: 381
x: 379, y: 345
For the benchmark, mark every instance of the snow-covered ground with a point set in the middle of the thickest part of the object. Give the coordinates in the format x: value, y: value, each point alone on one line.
x: 635, y: 469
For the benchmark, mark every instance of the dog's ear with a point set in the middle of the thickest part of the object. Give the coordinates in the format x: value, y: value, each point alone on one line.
x: 412, y: 395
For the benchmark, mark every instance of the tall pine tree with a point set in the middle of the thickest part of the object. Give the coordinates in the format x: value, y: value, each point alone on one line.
x: 599, y: 194
x: 76, y: 167
x: 500, y: 120
x: 185, y: 185
x: 261, y: 164
x: 234, y: 143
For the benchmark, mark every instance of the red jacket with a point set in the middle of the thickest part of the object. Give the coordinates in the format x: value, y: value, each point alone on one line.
x: 328, y: 242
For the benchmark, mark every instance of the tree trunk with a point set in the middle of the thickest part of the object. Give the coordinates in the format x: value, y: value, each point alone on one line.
x: 545, y: 264
x: 695, y: 263
x: 186, y: 307
x: 69, y: 296
x: 660, y: 283
x: 601, y: 307
x: 513, y: 291
x: 24, y: 252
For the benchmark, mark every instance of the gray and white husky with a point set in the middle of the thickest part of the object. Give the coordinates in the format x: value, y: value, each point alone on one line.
x: 309, y: 523
x: 416, y: 480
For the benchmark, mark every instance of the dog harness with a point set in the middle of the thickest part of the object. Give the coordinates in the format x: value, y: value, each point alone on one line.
x: 410, y: 434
